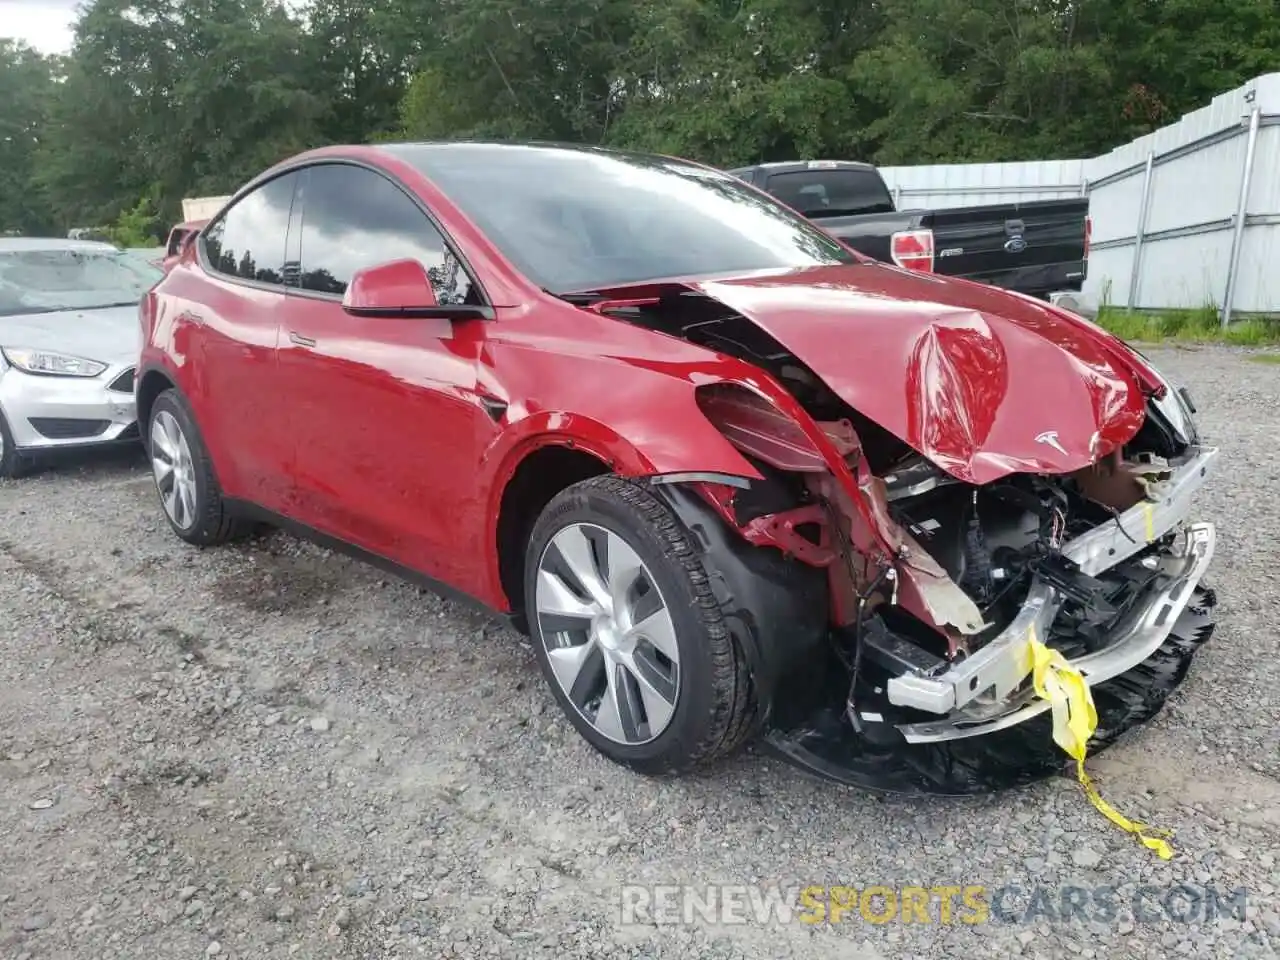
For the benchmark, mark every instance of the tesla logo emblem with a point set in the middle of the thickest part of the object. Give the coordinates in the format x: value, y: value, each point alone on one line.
x: 1050, y: 438
x: 1015, y: 244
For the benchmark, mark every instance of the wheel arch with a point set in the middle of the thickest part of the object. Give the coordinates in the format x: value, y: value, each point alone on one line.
x: 536, y: 458
x: 531, y: 483
x: 153, y: 382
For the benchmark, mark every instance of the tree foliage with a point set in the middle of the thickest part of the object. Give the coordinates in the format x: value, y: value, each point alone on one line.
x: 135, y: 227
x: 26, y: 90
x: 161, y: 99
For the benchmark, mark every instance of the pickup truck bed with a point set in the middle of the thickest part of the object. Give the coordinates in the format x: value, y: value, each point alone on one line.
x: 1036, y: 248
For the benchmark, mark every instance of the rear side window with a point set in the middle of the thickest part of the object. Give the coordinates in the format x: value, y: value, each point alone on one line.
x: 354, y: 218
x: 248, y: 241
x: 843, y: 192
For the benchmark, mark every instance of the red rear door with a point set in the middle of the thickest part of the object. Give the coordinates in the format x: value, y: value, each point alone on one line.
x: 229, y: 307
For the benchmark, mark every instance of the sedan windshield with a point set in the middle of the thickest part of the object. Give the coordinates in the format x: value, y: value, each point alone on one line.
x: 43, y: 281
x: 578, y: 219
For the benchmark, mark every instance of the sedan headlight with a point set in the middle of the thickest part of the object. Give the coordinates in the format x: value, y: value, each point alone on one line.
x: 48, y: 364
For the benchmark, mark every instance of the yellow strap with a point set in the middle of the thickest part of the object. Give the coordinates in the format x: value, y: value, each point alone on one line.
x: 1074, y: 720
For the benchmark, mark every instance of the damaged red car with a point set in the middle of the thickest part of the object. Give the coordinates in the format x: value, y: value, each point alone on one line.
x: 733, y: 479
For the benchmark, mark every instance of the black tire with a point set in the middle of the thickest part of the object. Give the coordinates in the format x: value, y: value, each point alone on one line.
x: 715, y: 707
x: 214, y: 523
x: 12, y: 463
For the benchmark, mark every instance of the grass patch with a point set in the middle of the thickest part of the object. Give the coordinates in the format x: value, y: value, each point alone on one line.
x: 1189, y: 326
x: 1265, y: 358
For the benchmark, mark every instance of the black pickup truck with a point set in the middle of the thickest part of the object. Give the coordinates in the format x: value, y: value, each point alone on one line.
x: 1037, y: 248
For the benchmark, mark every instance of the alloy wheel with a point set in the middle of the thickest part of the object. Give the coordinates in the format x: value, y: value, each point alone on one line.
x: 174, y: 472
x: 608, y: 634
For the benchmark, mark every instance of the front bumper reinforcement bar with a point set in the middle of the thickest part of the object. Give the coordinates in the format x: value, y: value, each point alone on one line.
x: 977, y: 695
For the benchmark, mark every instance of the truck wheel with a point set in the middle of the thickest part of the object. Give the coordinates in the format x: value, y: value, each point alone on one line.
x: 628, y: 633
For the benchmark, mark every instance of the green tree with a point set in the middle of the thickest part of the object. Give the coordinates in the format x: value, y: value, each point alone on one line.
x: 26, y: 92
x: 519, y: 68
x: 173, y: 98
x: 361, y: 57
x: 190, y: 96
x: 736, y: 82
x: 136, y: 227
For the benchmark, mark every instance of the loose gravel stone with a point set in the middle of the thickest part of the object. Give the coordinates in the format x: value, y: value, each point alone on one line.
x: 1086, y: 857
x: 448, y: 770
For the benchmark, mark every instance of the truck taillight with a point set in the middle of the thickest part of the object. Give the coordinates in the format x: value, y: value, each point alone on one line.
x: 913, y: 250
x: 1088, y: 235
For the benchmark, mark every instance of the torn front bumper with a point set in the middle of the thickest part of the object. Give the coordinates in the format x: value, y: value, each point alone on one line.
x: 990, y: 731
x: 989, y: 690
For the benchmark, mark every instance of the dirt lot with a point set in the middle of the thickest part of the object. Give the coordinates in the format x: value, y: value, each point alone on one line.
x: 271, y: 751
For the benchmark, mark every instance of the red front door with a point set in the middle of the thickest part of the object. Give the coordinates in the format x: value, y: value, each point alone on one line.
x: 387, y: 428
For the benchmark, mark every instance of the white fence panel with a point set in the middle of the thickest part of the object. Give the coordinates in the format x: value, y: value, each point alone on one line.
x: 1169, y: 201
x: 974, y: 184
x: 1258, y: 275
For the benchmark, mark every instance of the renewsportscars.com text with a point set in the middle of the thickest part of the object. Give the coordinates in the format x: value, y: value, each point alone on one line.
x: 970, y: 904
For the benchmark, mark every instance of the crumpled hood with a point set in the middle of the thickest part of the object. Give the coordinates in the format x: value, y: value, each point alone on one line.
x: 981, y: 381
x: 111, y: 335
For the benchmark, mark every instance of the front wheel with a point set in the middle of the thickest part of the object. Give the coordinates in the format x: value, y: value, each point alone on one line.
x: 12, y: 463
x: 628, y: 633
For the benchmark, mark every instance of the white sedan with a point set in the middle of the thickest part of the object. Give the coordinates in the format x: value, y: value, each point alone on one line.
x: 69, y: 340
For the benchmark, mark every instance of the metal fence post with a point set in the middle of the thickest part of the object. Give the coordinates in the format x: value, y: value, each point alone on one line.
x: 1136, y: 275
x: 1242, y: 209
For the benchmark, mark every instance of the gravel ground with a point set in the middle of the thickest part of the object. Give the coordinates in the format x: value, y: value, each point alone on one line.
x: 270, y: 751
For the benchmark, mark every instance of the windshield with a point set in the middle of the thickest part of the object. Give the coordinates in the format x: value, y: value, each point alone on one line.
x: 574, y: 220
x: 843, y: 192
x: 43, y: 281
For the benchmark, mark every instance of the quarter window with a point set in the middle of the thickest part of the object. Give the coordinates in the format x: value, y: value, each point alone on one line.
x: 248, y: 241
x: 354, y: 218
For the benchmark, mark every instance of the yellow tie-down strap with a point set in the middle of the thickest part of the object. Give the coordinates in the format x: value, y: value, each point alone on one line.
x: 1074, y: 720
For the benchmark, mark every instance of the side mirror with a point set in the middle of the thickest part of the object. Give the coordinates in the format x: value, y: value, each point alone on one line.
x: 401, y: 288
x: 389, y: 289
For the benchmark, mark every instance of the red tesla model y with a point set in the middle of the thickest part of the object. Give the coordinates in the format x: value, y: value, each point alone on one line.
x: 729, y: 475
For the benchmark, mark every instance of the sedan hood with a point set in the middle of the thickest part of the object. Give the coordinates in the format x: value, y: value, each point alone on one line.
x: 110, y: 334
x: 981, y: 381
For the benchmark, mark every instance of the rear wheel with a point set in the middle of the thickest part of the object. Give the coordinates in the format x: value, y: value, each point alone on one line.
x: 188, y: 488
x: 628, y: 633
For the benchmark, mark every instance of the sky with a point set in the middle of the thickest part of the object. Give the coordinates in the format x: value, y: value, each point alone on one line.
x: 44, y: 24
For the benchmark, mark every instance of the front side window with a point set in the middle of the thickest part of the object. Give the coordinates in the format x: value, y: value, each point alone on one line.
x: 44, y: 281
x: 248, y: 241
x: 353, y: 218
x: 573, y: 220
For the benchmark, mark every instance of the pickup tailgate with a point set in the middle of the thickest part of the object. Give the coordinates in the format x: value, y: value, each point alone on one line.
x: 990, y: 242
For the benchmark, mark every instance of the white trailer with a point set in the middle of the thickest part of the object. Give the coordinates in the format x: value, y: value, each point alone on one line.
x: 201, y: 208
